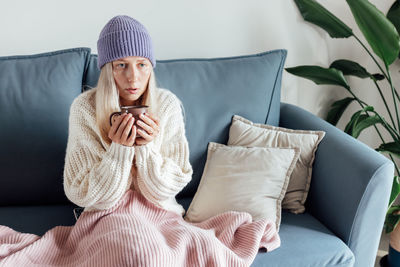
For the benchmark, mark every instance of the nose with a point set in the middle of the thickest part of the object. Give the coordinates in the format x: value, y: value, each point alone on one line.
x: 132, y: 74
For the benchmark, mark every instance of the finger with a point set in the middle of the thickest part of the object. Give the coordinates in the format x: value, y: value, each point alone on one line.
x: 122, y: 125
x: 154, y: 118
x: 115, y: 125
x: 157, y: 123
x: 145, y: 126
x: 128, y: 128
x: 148, y: 120
x: 145, y: 135
x: 115, y: 117
x: 132, y: 138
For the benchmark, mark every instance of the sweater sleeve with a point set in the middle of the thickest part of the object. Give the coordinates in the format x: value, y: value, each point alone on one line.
x: 163, y: 173
x: 94, y: 177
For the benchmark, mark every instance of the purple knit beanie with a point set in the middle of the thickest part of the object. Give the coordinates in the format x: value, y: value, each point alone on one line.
x: 124, y: 36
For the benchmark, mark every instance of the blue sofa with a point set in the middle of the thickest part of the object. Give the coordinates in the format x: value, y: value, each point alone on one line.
x: 350, y: 185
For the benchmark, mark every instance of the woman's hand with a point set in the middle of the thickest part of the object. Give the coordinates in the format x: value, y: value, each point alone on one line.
x: 150, y: 123
x: 120, y: 129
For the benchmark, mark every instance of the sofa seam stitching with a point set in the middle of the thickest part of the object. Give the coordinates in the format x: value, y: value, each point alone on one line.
x: 46, y: 54
x: 280, y: 69
x: 346, y: 262
x: 221, y: 58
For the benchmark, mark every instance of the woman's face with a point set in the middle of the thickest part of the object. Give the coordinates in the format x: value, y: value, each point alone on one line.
x: 131, y: 75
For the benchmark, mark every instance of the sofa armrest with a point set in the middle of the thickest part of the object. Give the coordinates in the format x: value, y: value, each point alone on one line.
x: 350, y: 186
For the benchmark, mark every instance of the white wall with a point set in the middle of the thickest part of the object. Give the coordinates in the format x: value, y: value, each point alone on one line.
x: 201, y: 29
x: 364, y: 88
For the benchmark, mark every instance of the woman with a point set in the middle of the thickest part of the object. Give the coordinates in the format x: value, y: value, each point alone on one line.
x: 101, y: 161
x: 127, y: 184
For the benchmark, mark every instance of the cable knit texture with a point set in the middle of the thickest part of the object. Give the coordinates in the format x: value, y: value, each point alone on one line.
x: 96, y: 175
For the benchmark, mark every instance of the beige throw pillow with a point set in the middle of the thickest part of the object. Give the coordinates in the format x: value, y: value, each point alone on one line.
x: 236, y: 178
x: 243, y: 132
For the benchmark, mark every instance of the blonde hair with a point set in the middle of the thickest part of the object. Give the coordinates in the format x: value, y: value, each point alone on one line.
x: 107, y: 99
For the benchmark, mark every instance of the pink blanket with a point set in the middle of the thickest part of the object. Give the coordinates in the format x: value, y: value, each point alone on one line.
x: 135, y: 232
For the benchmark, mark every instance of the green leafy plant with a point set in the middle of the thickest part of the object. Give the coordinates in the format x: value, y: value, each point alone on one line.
x: 382, y: 35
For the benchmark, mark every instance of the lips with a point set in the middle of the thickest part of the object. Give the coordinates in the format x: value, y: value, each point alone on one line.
x: 132, y: 90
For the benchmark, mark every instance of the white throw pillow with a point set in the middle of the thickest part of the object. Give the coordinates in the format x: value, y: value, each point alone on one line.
x: 243, y: 132
x: 243, y: 179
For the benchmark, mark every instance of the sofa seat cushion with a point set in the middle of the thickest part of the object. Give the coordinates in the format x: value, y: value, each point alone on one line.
x: 304, y: 242
x: 36, y: 219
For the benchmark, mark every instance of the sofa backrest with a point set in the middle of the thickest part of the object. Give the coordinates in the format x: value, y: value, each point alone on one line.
x: 212, y: 91
x: 36, y: 92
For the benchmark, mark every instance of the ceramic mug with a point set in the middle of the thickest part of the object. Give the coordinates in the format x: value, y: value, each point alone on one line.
x: 134, y: 110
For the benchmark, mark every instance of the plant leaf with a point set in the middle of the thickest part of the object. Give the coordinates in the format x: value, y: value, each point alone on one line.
x: 395, y: 190
x: 320, y: 75
x: 378, y: 76
x: 337, y: 110
x: 392, y: 147
x: 368, y: 108
x: 352, y: 128
x: 364, y: 122
x: 313, y: 12
x: 349, y: 127
x: 380, y: 33
x: 392, y: 219
x: 393, y: 209
x: 349, y: 67
x: 394, y: 16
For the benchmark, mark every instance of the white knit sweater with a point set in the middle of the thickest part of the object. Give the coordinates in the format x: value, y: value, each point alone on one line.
x: 96, y: 175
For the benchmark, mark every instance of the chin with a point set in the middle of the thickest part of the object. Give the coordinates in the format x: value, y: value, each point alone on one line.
x: 130, y: 100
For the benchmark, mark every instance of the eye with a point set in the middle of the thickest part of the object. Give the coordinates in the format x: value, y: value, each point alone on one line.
x: 119, y: 65
x: 142, y: 65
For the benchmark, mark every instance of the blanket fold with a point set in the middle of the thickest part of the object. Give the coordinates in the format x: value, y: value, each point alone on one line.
x: 135, y: 232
